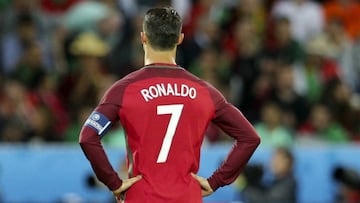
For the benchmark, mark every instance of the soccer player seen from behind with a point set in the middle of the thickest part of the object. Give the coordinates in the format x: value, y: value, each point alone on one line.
x: 165, y: 111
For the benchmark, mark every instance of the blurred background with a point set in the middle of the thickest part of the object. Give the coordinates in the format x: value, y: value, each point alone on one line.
x: 291, y: 66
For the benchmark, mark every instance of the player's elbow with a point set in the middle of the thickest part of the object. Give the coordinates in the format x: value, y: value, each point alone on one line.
x: 87, y: 136
x: 253, y: 142
x: 82, y: 140
x: 82, y: 137
x: 253, y: 139
x: 257, y: 140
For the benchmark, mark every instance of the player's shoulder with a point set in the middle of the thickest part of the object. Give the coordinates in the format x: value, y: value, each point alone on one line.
x: 115, y: 92
x: 190, y: 76
x: 127, y: 79
x: 213, y: 91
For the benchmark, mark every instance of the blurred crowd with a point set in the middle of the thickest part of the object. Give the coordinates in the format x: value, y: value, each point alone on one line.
x: 291, y: 66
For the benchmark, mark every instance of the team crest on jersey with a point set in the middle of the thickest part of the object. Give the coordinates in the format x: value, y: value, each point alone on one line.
x: 98, y: 122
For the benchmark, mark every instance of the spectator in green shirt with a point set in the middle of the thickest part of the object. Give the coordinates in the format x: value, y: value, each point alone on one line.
x: 271, y: 130
x: 323, y: 127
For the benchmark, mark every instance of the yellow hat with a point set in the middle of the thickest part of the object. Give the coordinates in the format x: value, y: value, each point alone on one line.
x: 90, y: 45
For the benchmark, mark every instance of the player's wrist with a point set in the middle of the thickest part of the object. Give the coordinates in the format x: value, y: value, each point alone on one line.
x: 213, y: 185
x: 117, y: 194
x: 117, y: 191
x: 115, y: 185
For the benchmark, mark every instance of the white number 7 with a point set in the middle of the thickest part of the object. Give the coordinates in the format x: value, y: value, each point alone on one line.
x: 175, y: 111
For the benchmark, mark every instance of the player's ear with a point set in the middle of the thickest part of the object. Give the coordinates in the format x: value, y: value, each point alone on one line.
x: 181, y: 39
x: 143, y: 37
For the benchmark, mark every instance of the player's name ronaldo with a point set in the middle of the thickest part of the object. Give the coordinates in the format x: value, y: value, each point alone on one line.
x: 168, y: 89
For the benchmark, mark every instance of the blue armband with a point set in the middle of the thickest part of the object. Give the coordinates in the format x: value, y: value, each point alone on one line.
x: 99, y: 123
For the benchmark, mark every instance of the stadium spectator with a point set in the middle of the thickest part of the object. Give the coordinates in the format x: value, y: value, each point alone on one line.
x: 246, y: 69
x: 72, y: 132
x: 15, y: 43
x: 347, y: 11
x: 57, y: 7
x: 14, y: 114
x: 345, y: 110
x: 38, y: 113
x: 46, y: 94
x: 106, y: 22
x: 53, y: 13
x: 15, y: 8
x: 341, y: 49
x: 81, y: 86
x: 283, y: 187
x: 322, y: 126
x: 207, y: 34
x: 284, y: 48
x: 29, y: 70
x: 77, y: 18
x: 294, y: 107
x: 253, y: 10
x: 319, y: 69
x: 348, y: 180
x: 306, y: 17
x: 202, y: 30
x: 271, y: 130
x: 122, y: 57
x: 212, y: 67
x: 42, y: 124
x: 356, y: 49
x: 200, y: 9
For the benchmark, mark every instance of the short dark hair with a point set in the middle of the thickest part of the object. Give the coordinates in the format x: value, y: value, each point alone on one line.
x: 162, y: 27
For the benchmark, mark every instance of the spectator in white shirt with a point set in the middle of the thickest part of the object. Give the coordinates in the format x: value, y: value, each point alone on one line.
x: 306, y: 17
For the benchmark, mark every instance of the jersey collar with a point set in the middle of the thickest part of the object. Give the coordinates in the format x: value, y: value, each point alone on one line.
x: 162, y: 65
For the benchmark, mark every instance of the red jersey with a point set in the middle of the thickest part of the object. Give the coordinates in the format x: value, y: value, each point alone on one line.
x: 165, y: 111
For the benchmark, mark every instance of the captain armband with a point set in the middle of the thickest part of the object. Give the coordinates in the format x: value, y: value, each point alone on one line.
x: 99, y: 123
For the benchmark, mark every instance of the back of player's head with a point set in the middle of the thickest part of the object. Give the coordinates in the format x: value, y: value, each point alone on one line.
x: 162, y: 27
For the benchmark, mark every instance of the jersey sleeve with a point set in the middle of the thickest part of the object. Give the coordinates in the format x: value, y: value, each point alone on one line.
x: 105, y: 114
x: 233, y: 123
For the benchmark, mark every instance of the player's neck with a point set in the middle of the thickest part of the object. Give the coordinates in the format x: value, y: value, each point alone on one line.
x: 164, y: 57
